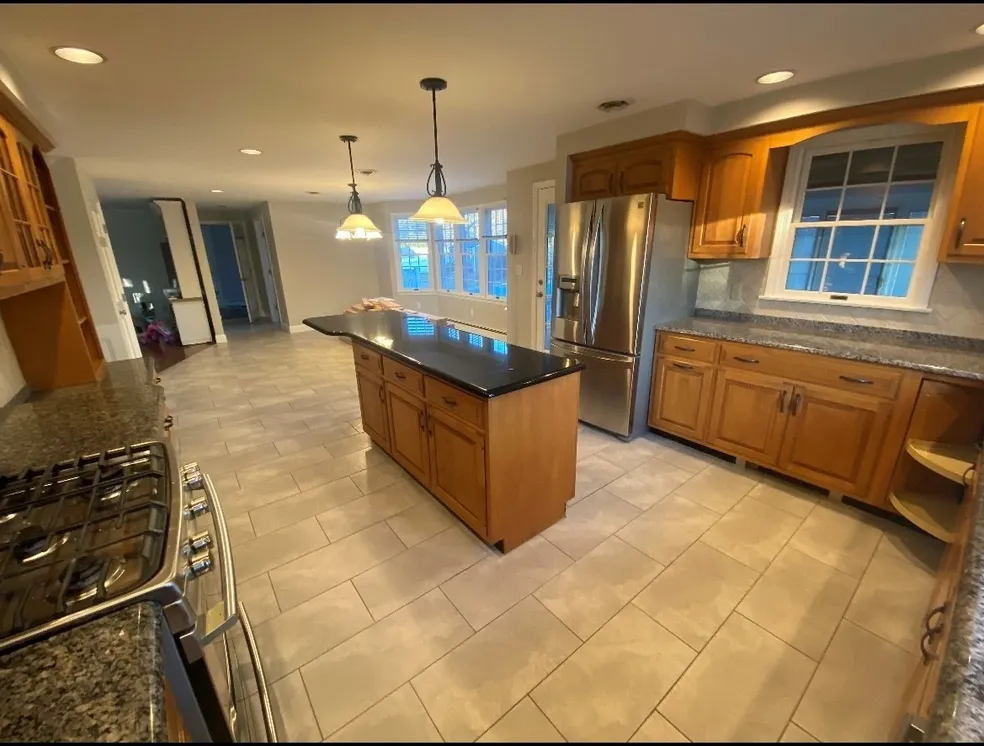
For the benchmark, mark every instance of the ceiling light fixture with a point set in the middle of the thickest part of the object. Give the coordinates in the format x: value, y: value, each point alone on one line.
x: 217, y: 191
x: 356, y: 225
x: 78, y: 55
x: 437, y: 208
x: 979, y: 30
x: 250, y: 151
x: 779, y: 76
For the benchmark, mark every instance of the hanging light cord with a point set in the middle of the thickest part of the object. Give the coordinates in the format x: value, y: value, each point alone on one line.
x: 440, y: 187
x: 355, y: 202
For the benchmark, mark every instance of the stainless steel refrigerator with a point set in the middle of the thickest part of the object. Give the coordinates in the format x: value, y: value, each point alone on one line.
x: 621, y: 268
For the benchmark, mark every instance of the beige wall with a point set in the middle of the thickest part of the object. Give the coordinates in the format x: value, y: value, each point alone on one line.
x: 11, y: 378
x: 242, y: 227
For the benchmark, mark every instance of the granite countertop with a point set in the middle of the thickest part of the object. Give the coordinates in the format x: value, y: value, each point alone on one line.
x: 484, y: 366
x: 953, y: 356
x: 104, y: 680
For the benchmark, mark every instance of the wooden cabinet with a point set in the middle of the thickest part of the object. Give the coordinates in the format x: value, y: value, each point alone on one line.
x: 372, y: 400
x: 593, y: 177
x: 963, y: 238
x: 833, y: 437
x: 748, y: 415
x: 681, y: 400
x: 457, y: 454
x: 645, y: 170
x: 408, y: 432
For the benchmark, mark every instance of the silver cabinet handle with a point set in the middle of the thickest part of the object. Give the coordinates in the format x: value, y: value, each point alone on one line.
x: 741, y: 236
x: 795, y: 404
x: 683, y: 366
x: 958, y: 239
x: 684, y: 349
x: 751, y: 360
x: 782, y: 402
x: 261, y: 683
x: 852, y: 379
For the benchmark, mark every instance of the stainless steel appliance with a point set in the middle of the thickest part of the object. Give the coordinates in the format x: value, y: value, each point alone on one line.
x: 87, y: 536
x: 621, y: 268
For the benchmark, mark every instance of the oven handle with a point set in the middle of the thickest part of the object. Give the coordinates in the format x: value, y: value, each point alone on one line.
x: 261, y: 683
x: 222, y: 616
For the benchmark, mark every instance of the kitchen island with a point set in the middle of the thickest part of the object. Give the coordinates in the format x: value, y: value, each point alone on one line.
x: 489, y: 428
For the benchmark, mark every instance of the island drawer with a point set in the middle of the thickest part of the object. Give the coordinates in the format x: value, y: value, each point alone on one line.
x: 688, y: 347
x: 403, y: 376
x: 469, y: 408
x: 366, y: 358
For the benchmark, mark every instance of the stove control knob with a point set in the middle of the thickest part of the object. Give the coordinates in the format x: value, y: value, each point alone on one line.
x: 196, y: 508
x: 200, y: 563
x: 198, y: 542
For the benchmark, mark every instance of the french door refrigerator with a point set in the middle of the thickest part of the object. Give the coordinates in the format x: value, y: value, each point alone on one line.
x: 621, y: 267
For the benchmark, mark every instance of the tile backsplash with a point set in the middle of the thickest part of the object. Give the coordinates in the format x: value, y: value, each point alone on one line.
x: 11, y: 379
x: 957, y: 301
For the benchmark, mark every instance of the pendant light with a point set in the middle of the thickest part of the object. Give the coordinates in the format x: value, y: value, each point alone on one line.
x: 356, y: 225
x: 437, y: 208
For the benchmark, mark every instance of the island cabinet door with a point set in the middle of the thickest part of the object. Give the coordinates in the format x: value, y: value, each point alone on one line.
x: 372, y: 400
x: 457, y: 454
x: 408, y: 432
x: 681, y: 397
x: 748, y: 414
x: 833, y: 437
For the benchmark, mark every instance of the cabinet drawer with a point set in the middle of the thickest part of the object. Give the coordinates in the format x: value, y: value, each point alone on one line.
x: 368, y: 359
x: 469, y: 408
x: 403, y: 375
x: 687, y: 347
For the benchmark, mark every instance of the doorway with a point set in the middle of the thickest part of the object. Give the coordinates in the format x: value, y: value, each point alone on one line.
x: 545, y: 226
x: 233, y: 285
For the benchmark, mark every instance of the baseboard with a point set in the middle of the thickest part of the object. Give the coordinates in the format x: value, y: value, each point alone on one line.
x: 220, y: 339
x: 299, y: 328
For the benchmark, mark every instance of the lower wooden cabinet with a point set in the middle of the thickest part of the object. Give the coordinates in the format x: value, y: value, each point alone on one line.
x: 682, y: 393
x: 457, y: 454
x: 748, y: 415
x: 408, y: 432
x: 372, y: 400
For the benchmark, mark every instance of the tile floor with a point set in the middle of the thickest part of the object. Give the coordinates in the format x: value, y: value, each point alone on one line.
x: 679, y: 599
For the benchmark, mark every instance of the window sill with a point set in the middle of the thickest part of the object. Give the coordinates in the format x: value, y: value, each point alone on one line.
x: 454, y: 294
x: 846, y: 304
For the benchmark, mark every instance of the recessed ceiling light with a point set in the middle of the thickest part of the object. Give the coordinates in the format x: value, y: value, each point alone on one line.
x: 777, y: 77
x: 979, y: 30
x: 217, y: 191
x: 79, y: 55
x: 250, y: 151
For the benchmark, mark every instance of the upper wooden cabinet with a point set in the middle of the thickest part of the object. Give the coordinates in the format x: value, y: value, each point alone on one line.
x: 963, y: 238
x: 667, y: 164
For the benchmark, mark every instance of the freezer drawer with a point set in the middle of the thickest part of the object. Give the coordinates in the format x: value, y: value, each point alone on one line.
x: 608, y: 385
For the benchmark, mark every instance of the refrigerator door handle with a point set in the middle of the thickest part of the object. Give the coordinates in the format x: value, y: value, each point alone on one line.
x: 612, y: 357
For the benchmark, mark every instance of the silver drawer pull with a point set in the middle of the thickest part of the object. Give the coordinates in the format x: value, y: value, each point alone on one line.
x: 261, y: 683
x: 852, y: 379
x: 684, y: 349
x: 751, y: 360
x: 683, y: 366
x: 449, y: 402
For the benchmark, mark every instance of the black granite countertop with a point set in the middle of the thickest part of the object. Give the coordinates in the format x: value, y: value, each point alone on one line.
x: 104, y: 680
x: 486, y: 367
x: 931, y: 353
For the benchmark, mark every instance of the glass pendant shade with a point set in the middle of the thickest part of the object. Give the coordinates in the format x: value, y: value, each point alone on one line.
x: 438, y: 210
x: 357, y: 226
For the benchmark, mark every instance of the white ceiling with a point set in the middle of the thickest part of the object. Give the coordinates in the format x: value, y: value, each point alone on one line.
x: 186, y: 86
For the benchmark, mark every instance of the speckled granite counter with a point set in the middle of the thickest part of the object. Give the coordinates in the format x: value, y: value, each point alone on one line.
x: 954, y: 356
x: 103, y: 681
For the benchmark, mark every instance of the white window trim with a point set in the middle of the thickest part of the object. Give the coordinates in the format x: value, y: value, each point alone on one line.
x: 394, y: 261
x: 794, y: 186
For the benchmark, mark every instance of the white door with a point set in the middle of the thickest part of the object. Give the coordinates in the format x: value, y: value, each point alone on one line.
x: 263, y: 249
x: 126, y: 333
x: 247, y: 275
x: 545, y: 227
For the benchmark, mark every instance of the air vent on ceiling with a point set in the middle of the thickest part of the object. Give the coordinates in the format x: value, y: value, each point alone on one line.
x: 614, y: 105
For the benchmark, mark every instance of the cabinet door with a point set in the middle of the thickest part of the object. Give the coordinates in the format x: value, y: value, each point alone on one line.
x: 38, y: 206
x: 408, y: 432
x: 644, y: 170
x: 372, y: 400
x: 22, y: 253
x: 593, y: 178
x: 457, y: 453
x: 963, y: 240
x: 726, y: 201
x: 833, y: 437
x: 681, y: 397
x: 748, y: 415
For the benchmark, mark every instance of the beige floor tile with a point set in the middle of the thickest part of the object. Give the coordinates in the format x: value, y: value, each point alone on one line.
x: 352, y: 677
x: 345, y: 446
x: 856, y: 691
x: 524, y: 723
x: 892, y: 598
x: 657, y: 729
x: 753, y: 533
x: 292, y: 711
x: 694, y: 595
x: 306, y: 577
x: 718, y: 487
x: 474, y: 685
x: 398, y: 718
x: 910, y: 546
x: 787, y: 496
x: 800, y: 600
x: 646, y: 485
x: 402, y: 578
x: 592, y: 474
x: 668, y: 528
x: 682, y: 456
x: 277, y: 548
x: 367, y: 510
x: 316, y: 455
x: 596, y: 587
x: 628, y: 456
x: 743, y: 686
x: 304, y: 632
x: 332, y: 469
x: 589, y: 522
x: 308, y: 438
x: 262, y: 437
x: 303, y: 505
x: 421, y: 522
x: 240, y: 459
x: 840, y: 536
x: 500, y: 581
x: 795, y: 734
x: 240, y: 529
x: 259, y: 599
x: 611, y: 684
x: 377, y: 476
x: 590, y: 441
x: 241, y: 499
